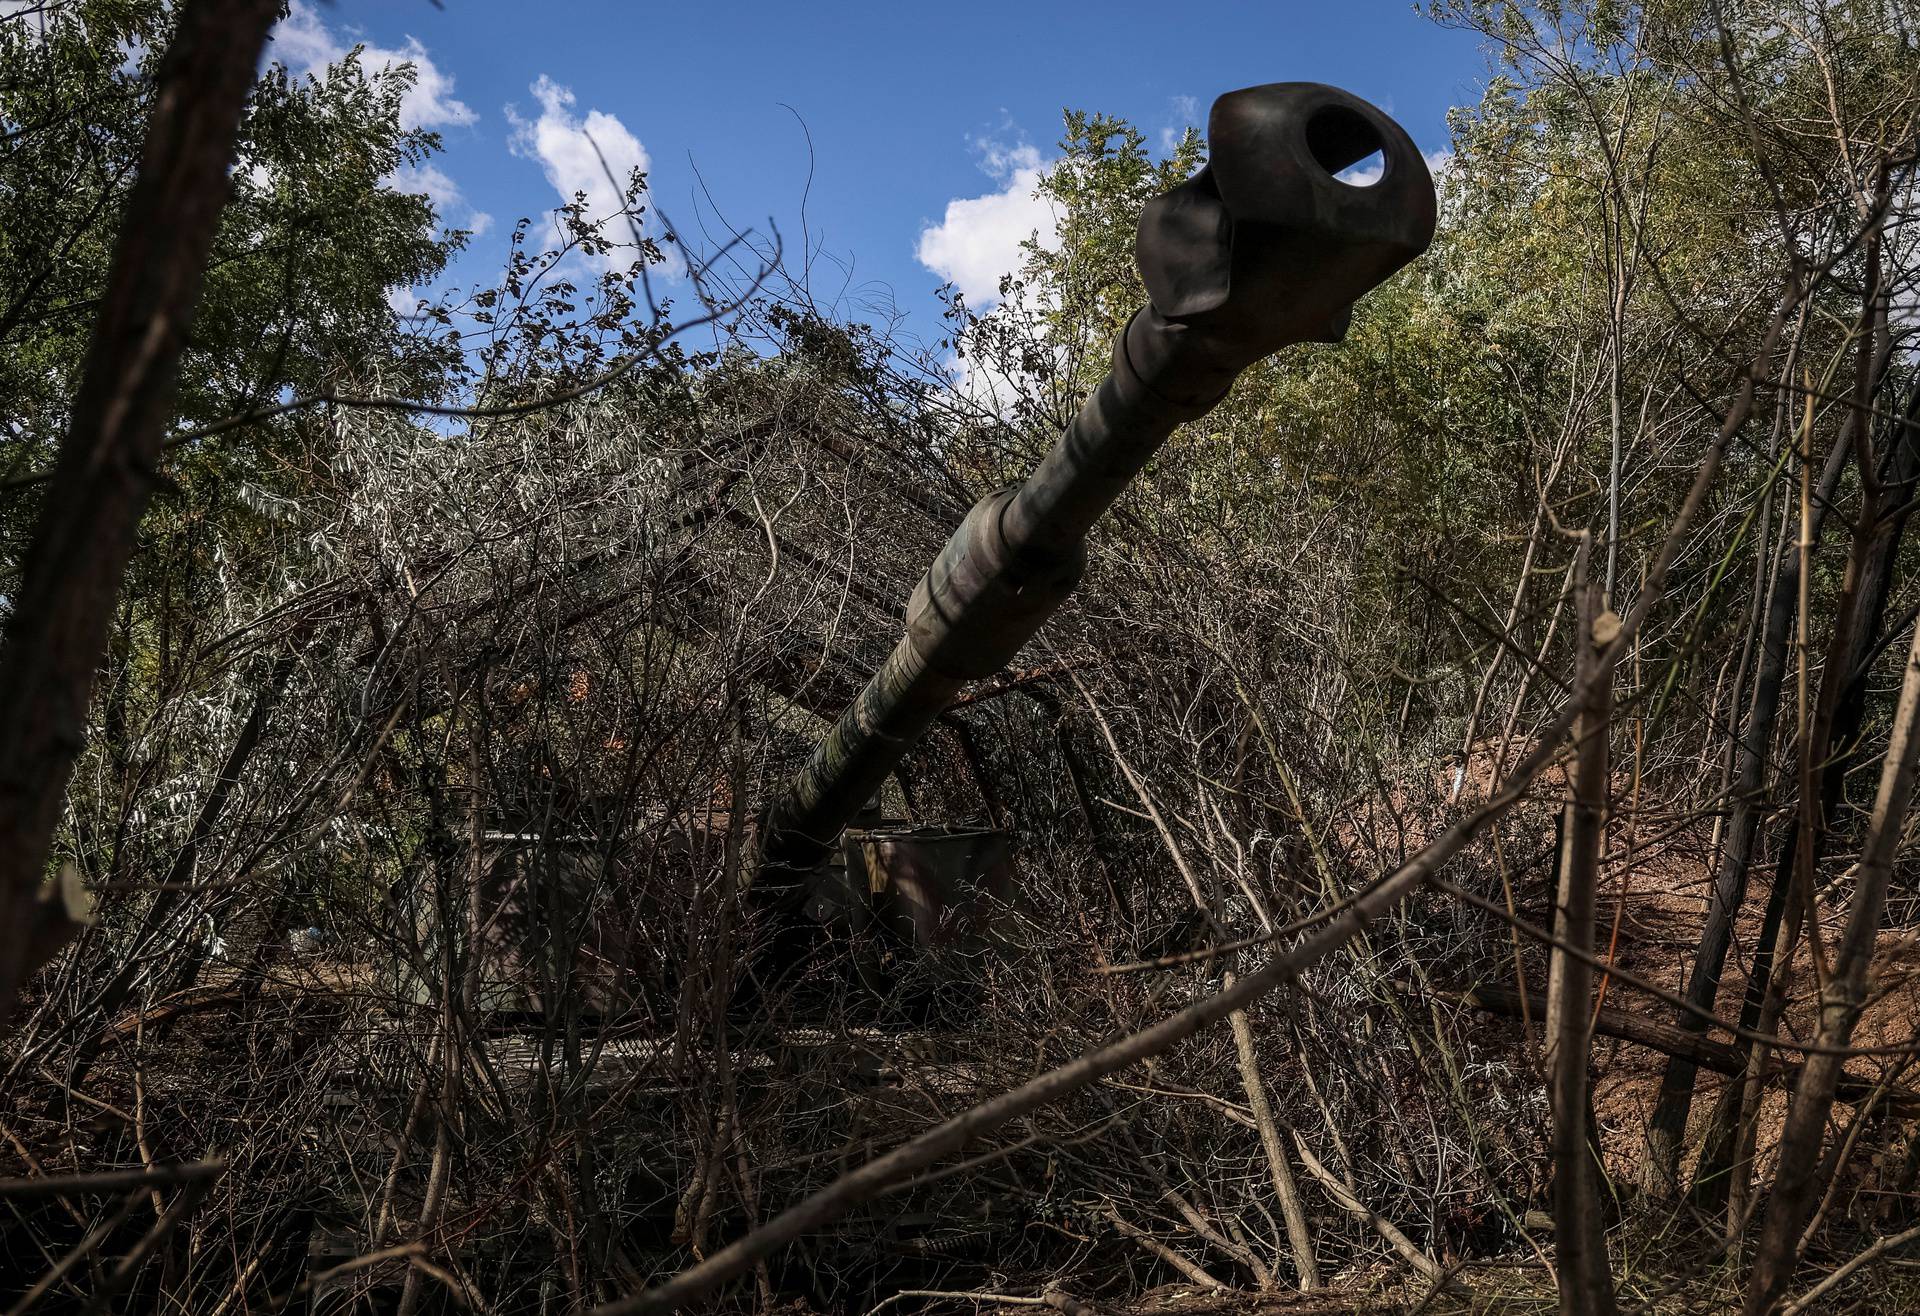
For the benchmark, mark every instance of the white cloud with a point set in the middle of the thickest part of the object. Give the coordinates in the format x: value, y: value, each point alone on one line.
x: 593, y: 155
x: 978, y: 239
x: 1366, y: 173
x: 1186, y: 114
x: 432, y: 182
x: 303, y: 43
x: 990, y: 386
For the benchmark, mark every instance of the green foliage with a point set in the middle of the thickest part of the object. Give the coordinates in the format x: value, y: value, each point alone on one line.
x: 1106, y: 174
x: 316, y: 234
x: 1609, y: 253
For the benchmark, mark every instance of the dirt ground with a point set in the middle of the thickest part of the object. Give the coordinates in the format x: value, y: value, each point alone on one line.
x: 1658, y: 916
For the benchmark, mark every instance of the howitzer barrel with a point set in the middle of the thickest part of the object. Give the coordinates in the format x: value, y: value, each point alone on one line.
x: 1262, y: 248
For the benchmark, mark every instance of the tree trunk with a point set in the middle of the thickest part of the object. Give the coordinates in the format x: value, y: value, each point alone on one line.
x: 1718, y: 1182
x: 85, y: 535
x: 1797, y: 1178
x: 1668, y: 1126
x: 1586, y: 1277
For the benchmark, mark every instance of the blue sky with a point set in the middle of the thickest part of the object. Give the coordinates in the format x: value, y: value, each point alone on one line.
x: 927, y: 122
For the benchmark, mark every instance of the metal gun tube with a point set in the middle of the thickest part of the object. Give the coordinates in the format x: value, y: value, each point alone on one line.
x: 1262, y: 248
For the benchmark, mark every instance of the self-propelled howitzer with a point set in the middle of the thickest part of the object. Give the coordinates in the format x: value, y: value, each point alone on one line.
x: 1262, y: 248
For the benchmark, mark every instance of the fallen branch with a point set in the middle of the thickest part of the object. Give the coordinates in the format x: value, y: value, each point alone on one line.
x: 411, y: 1251
x: 1191, y: 1269
x: 1671, y: 1040
x: 110, y: 1181
x: 1840, y: 1273
x: 1002, y: 1299
x: 1344, y: 1197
